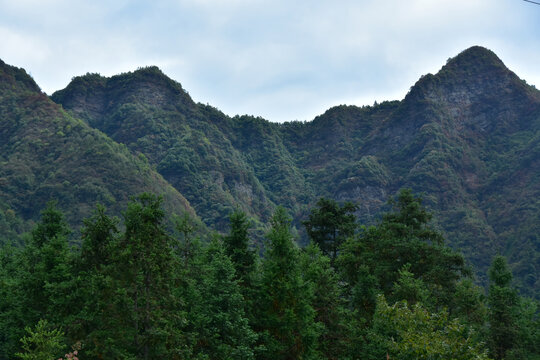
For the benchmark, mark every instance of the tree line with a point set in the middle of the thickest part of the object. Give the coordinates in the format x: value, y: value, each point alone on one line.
x: 133, y: 290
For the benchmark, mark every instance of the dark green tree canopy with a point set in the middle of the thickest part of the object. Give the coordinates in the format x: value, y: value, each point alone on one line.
x: 503, y: 303
x: 237, y: 246
x: 329, y: 224
x: 402, y: 247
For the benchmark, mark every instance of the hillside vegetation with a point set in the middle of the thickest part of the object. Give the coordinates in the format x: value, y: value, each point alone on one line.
x: 45, y: 153
x: 466, y: 137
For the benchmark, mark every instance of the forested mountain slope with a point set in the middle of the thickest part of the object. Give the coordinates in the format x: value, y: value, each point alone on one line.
x: 153, y: 115
x: 45, y: 154
x: 467, y: 137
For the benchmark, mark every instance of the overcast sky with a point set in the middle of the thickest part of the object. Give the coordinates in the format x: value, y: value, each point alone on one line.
x: 279, y: 59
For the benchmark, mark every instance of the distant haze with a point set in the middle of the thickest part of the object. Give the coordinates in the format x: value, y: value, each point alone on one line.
x: 282, y: 60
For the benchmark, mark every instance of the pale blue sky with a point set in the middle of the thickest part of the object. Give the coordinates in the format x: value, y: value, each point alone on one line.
x: 280, y: 59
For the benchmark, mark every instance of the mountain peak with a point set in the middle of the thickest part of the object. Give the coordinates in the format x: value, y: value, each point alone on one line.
x: 475, y: 57
x: 474, y: 72
x: 11, y: 75
x: 145, y: 76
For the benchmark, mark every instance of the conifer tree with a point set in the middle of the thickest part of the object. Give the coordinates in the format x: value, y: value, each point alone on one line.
x: 286, y: 316
x: 97, y: 318
x: 144, y: 275
x: 330, y: 224
x: 403, y: 239
x: 503, y: 302
x: 236, y: 245
x: 44, y: 288
x: 10, y: 310
x: 331, y: 310
x: 218, y: 316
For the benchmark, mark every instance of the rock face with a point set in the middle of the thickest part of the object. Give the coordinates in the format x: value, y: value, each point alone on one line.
x: 467, y: 137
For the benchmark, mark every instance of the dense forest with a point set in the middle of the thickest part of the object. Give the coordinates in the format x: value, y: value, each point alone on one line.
x: 134, y: 290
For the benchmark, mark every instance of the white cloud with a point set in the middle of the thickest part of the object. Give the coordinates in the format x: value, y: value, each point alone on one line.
x: 283, y: 59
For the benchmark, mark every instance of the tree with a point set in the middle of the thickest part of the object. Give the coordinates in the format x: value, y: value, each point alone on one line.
x: 41, y: 343
x: 145, y: 275
x: 217, y: 314
x: 330, y: 306
x: 408, y: 332
x: 527, y: 344
x: 236, y: 245
x: 44, y: 287
x: 96, y: 320
x: 286, y: 317
x: 98, y: 236
x: 329, y: 224
x: 503, y: 302
x: 403, y: 239
x: 469, y: 303
x: 10, y: 307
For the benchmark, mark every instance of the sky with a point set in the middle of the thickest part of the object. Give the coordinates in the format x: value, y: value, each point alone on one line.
x: 282, y: 60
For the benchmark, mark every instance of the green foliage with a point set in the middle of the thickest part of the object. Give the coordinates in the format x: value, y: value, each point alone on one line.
x: 145, y: 276
x: 132, y: 291
x: 409, y: 288
x: 286, y: 320
x: 218, y: 315
x: 41, y: 343
x: 503, y: 302
x: 99, y: 235
x: 403, y: 257
x: 470, y: 303
x: 44, y: 272
x: 329, y: 224
x: 412, y: 332
x: 332, y: 314
x: 237, y: 247
x: 527, y: 345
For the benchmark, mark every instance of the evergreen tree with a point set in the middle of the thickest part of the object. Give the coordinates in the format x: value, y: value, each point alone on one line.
x: 469, y: 303
x: 144, y: 275
x: 329, y: 224
x: 237, y: 248
x: 286, y: 317
x: 44, y: 282
x: 10, y: 310
x: 412, y: 332
x: 329, y: 304
x: 403, y: 239
x: 96, y: 320
x: 41, y: 343
x: 527, y: 344
x: 99, y: 234
x: 503, y: 302
x: 244, y: 260
x: 218, y: 316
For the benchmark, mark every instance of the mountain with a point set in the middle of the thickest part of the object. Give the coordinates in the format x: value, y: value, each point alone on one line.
x: 153, y: 115
x: 45, y: 154
x: 466, y: 137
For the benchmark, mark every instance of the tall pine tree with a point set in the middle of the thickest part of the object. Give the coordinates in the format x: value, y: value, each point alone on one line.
x: 145, y: 276
x: 286, y: 316
x: 503, y: 302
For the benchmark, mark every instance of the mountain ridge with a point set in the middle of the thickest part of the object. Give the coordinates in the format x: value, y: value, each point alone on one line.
x: 466, y: 137
x: 46, y: 154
